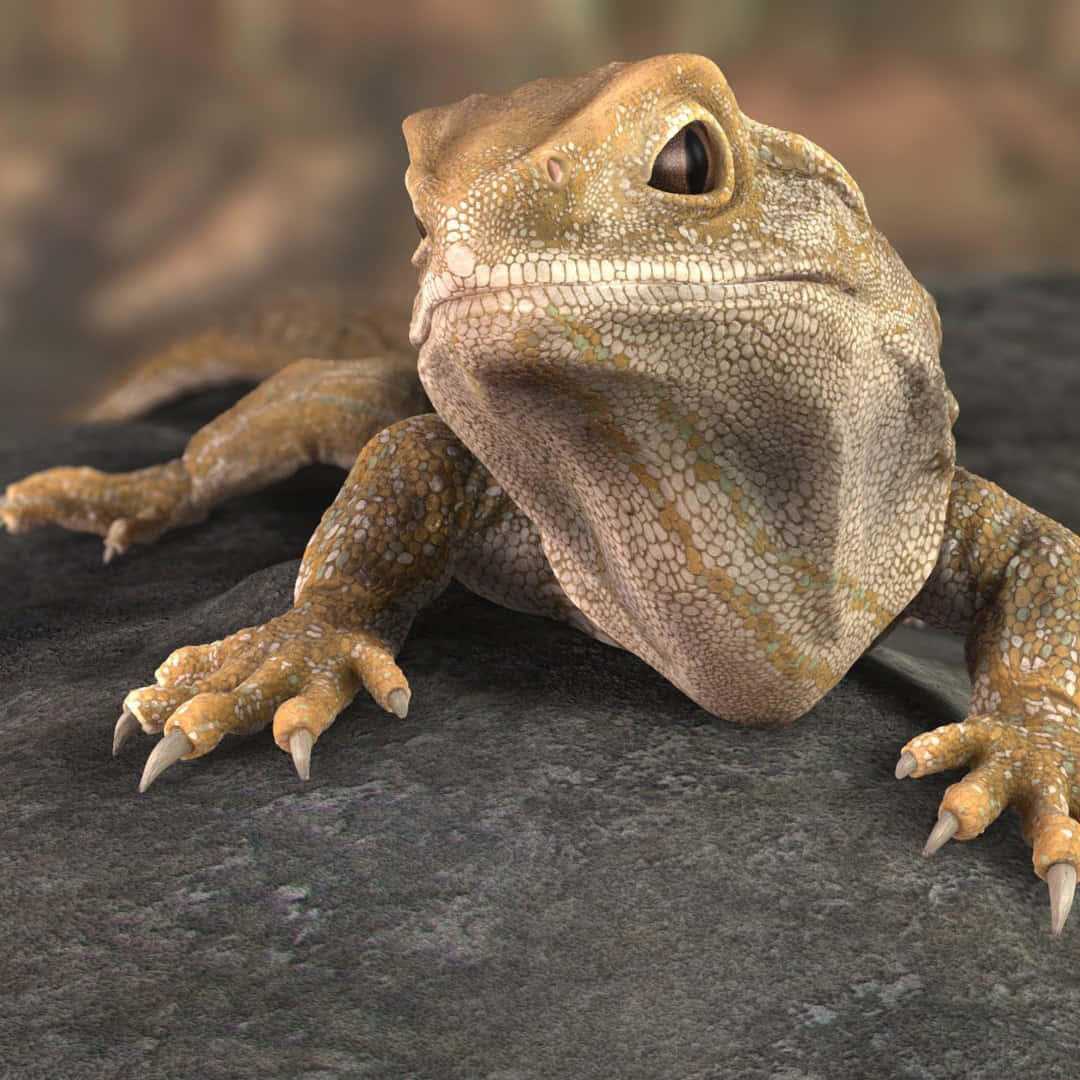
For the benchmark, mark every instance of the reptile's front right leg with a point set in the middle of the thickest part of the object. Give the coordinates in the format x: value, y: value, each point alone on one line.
x: 312, y: 411
x: 385, y: 547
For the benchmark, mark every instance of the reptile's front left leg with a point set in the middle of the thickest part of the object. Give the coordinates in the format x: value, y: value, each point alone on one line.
x: 1009, y: 577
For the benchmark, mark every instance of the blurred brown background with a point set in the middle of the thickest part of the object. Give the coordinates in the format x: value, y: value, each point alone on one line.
x: 161, y: 161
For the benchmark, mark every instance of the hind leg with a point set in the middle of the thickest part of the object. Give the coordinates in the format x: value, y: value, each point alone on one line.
x: 252, y: 347
x: 312, y: 411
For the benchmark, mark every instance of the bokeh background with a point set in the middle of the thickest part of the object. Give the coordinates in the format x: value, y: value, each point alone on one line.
x: 162, y: 161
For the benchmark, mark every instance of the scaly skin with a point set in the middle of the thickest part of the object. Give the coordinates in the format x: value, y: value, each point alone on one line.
x: 1008, y: 578
x: 253, y: 347
x: 688, y: 399
x: 311, y: 411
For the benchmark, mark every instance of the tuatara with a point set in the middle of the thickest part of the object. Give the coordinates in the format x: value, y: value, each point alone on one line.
x: 685, y: 397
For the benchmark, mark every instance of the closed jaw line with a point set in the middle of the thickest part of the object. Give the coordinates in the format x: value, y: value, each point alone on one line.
x: 591, y: 282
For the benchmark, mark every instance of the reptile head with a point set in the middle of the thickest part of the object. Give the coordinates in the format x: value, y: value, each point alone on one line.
x: 676, y: 338
x: 649, y: 169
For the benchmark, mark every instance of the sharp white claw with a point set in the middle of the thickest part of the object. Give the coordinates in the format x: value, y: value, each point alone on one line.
x: 398, y: 701
x: 1061, y: 880
x: 126, y: 726
x: 300, y: 744
x: 167, y: 752
x: 110, y: 553
x: 906, y: 765
x: 942, y: 832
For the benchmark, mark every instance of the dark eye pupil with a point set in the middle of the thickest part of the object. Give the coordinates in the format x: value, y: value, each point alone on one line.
x: 420, y: 227
x: 684, y: 165
x: 697, y: 162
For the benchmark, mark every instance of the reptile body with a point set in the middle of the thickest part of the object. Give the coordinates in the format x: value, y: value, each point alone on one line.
x: 684, y: 396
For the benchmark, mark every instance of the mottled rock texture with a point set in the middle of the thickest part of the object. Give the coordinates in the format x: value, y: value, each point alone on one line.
x: 556, y: 866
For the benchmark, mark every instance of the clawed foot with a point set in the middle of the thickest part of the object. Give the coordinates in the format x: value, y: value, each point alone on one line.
x: 296, y: 672
x: 1030, y: 766
x: 124, y: 508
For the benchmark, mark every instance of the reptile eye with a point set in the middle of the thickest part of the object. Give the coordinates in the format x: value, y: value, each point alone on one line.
x: 687, y: 164
x: 420, y: 227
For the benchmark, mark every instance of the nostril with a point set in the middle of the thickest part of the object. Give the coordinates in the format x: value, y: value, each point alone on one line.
x: 556, y: 169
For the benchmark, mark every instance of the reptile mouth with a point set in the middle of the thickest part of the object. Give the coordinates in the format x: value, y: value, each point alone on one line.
x: 656, y: 294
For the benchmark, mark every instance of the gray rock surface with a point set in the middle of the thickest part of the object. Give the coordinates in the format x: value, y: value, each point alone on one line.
x: 557, y: 866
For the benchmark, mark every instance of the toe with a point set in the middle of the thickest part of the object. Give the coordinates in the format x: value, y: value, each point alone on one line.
x: 948, y: 747
x: 208, y: 717
x: 188, y: 662
x: 315, y: 709
x: 1056, y: 857
x: 1055, y: 839
x: 153, y: 705
x: 375, y: 667
x: 979, y: 797
x: 66, y: 496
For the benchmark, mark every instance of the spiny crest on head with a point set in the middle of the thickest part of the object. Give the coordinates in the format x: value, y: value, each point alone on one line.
x: 796, y: 153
